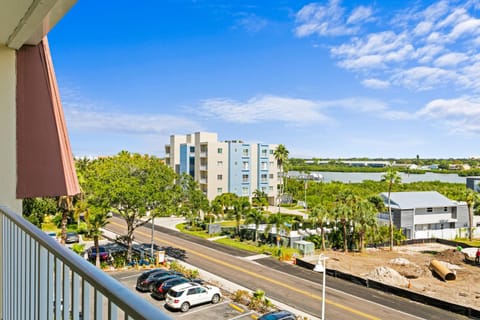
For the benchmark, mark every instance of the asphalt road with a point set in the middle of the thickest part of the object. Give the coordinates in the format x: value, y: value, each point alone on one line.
x: 295, y: 286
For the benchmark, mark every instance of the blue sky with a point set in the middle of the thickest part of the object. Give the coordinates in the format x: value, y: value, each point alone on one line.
x: 327, y: 79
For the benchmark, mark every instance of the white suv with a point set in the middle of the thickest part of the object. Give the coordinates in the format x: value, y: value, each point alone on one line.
x: 189, y: 294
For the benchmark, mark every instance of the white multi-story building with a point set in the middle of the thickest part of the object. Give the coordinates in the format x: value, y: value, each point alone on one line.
x: 427, y: 214
x: 225, y: 166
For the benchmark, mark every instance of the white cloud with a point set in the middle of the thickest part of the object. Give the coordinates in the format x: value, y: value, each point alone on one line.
x: 329, y: 19
x: 269, y: 108
x: 451, y: 59
x: 460, y: 115
x: 264, y: 108
x: 360, y: 14
x: 420, y: 48
x: 376, y: 83
x: 251, y: 23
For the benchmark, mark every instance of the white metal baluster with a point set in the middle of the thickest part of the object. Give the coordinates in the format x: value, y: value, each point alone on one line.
x: 98, y: 307
x: 112, y: 311
x: 51, y: 277
x: 42, y: 283
x: 66, y: 291
x: 85, y: 300
x: 58, y: 289
x: 75, y: 295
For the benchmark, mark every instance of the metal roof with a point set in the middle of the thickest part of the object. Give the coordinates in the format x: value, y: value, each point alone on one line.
x: 417, y: 199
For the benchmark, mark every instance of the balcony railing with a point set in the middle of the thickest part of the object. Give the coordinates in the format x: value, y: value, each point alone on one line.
x: 41, y: 279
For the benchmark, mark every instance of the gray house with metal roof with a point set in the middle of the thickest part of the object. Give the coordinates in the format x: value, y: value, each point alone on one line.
x: 426, y: 214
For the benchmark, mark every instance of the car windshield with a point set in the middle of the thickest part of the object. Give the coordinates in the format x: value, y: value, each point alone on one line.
x: 175, y: 294
x: 101, y: 249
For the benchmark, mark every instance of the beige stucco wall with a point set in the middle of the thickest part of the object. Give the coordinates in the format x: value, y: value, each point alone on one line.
x: 8, y: 154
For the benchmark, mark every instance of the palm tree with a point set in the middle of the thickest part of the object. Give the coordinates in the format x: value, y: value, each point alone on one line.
x: 471, y: 197
x: 366, y: 216
x: 391, y: 176
x: 260, y: 199
x: 65, y: 203
x: 319, y: 215
x: 280, y: 222
x: 281, y: 155
x: 257, y: 217
x: 240, y: 207
x: 96, y: 220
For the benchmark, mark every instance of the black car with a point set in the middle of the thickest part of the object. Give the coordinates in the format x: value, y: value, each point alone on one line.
x: 161, y: 288
x: 278, y: 315
x: 147, y: 279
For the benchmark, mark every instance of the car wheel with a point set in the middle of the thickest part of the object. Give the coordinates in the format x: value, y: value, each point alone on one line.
x: 184, y: 307
x: 215, y: 298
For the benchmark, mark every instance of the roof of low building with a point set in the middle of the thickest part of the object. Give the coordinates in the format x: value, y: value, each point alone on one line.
x: 417, y: 199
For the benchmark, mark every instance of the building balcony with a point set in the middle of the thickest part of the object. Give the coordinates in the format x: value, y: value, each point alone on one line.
x: 203, y: 154
x: 203, y: 180
x: 204, y: 168
x: 41, y: 279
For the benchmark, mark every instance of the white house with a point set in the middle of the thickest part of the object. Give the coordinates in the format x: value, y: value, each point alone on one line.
x: 427, y: 214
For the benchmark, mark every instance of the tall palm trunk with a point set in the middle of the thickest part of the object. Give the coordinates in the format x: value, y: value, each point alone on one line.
x: 390, y: 218
x: 97, y: 248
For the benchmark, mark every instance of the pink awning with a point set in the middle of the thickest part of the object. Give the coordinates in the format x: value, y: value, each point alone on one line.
x: 45, y: 165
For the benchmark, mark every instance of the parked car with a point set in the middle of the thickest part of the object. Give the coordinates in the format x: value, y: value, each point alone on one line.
x: 185, y: 295
x: 52, y: 235
x: 92, y: 253
x: 278, y: 315
x: 160, y: 289
x: 146, y: 282
x: 72, y: 237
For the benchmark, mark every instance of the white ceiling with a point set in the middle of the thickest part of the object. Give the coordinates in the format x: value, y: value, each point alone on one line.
x: 28, y: 21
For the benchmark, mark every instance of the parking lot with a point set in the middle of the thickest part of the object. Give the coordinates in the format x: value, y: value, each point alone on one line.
x: 224, y: 310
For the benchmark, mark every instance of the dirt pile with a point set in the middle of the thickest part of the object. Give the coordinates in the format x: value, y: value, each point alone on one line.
x: 451, y: 256
x: 388, y: 275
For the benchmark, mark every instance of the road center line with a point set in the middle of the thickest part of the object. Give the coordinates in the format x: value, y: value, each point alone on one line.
x: 259, y: 276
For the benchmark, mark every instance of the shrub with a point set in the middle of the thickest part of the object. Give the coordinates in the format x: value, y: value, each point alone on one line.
x: 78, y: 248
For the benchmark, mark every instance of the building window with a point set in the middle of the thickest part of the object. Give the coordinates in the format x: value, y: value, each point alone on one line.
x: 270, y: 188
x: 264, y: 165
x: 264, y: 152
x: 445, y: 209
x: 244, y: 177
x: 271, y: 164
x: 219, y: 190
x: 245, y: 191
x: 220, y: 150
x: 263, y: 177
x: 429, y: 209
x: 245, y: 152
x: 219, y: 177
x: 270, y: 175
x: 264, y: 189
x: 220, y: 163
x: 271, y: 151
x: 192, y: 149
x: 245, y: 165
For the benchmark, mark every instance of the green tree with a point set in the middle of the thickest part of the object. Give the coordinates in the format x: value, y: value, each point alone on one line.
x: 281, y: 223
x: 96, y: 219
x: 319, y: 214
x: 470, y: 197
x: 223, y: 202
x: 256, y: 217
x: 240, y: 208
x: 35, y: 209
x: 366, y: 217
x: 392, y: 177
x: 260, y: 199
x: 192, y: 200
x: 130, y: 185
x: 281, y: 155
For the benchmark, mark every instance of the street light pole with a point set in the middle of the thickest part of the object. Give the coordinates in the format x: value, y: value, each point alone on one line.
x: 322, y: 267
x: 153, y: 228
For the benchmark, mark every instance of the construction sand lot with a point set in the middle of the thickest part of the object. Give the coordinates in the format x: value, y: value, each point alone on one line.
x: 408, y: 267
